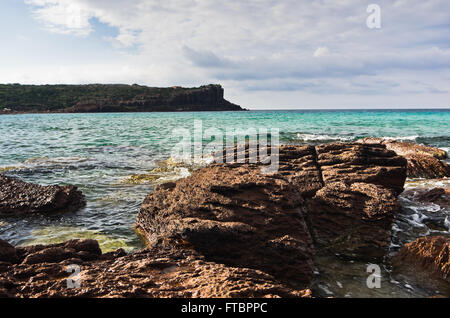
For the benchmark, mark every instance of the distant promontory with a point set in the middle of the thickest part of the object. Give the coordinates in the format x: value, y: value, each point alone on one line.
x: 16, y: 98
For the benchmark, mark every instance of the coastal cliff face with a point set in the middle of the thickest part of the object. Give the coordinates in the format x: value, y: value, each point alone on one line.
x: 111, y: 98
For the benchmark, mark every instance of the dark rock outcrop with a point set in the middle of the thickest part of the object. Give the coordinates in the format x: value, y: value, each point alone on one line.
x: 423, y: 161
x: 426, y: 260
x: 152, y: 273
x: 20, y: 198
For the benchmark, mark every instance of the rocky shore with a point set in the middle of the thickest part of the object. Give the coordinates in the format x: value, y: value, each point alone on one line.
x: 230, y: 231
x: 423, y: 161
x: 22, y: 198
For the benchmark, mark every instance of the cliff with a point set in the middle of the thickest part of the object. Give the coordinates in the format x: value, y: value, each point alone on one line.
x: 111, y: 98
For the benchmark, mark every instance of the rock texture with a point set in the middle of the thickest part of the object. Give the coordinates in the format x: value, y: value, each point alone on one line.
x: 43, y: 271
x: 425, y: 258
x: 423, y: 161
x: 353, y: 219
x: 233, y: 214
x: 236, y: 216
x: 20, y: 198
x: 353, y: 213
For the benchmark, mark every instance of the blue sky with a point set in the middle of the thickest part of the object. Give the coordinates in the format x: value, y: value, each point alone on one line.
x: 268, y: 54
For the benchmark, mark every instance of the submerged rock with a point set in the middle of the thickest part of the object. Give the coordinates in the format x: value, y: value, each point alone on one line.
x: 149, y: 273
x: 423, y: 161
x: 438, y: 196
x: 19, y: 198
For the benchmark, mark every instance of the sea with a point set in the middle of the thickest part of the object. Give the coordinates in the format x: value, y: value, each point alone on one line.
x: 116, y: 159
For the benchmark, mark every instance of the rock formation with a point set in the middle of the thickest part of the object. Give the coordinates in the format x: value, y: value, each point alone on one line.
x: 43, y: 271
x: 20, y: 198
x: 424, y: 259
x: 342, y: 194
x: 423, y: 161
x: 229, y: 230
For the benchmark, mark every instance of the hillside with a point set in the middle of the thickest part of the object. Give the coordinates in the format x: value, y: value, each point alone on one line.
x: 111, y: 98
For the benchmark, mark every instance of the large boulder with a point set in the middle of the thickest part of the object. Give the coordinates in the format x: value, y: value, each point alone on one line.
x: 156, y: 273
x: 233, y: 214
x: 236, y: 215
x: 21, y: 198
x: 423, y: 161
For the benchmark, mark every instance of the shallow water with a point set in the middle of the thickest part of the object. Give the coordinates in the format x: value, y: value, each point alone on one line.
x: 116, y: 159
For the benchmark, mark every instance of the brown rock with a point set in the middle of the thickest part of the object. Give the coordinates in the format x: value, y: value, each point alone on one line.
x: 425, y: 259
x: 423, y: 161
x: 76, y: 249
x: 362, y: 163
x: 20, y: 198
x: 233, y: 214
x: 353, y: 219
x: 7, y: 252
x: 152, y: 273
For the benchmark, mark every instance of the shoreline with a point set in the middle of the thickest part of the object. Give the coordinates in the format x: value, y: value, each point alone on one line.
x: 130, y: 257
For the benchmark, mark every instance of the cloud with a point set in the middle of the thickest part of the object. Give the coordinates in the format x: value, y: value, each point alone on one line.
x: 321, y: 51
x: 321, y: 47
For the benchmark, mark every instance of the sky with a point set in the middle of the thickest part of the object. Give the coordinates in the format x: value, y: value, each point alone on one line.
x: 267, y: 54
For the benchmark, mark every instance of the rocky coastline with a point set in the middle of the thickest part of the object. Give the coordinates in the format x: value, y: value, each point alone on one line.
x: 228, y: 230
x: 97, y: 98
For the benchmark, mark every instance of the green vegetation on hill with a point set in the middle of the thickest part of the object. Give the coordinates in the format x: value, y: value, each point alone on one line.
x: 100, y: 97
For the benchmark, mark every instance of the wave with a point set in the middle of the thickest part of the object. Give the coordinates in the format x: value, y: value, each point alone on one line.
x: 166, y: 171
x: 46, y: 164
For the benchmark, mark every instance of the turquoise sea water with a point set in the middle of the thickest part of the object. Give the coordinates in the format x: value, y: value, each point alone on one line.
x: 116, y: 159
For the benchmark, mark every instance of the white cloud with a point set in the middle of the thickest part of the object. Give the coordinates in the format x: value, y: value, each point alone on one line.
x: 318, y: 47
x: 321, y: 51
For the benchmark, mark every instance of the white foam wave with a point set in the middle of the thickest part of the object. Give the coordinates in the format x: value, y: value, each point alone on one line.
x: 313, y: 137
x: 400, y: 138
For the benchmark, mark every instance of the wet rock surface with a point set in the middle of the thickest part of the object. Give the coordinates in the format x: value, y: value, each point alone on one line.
x: 426, y: 260
x: 148, y: 273
x: 438, y: 196
x: 21, y: 198
x: 423, y: 161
